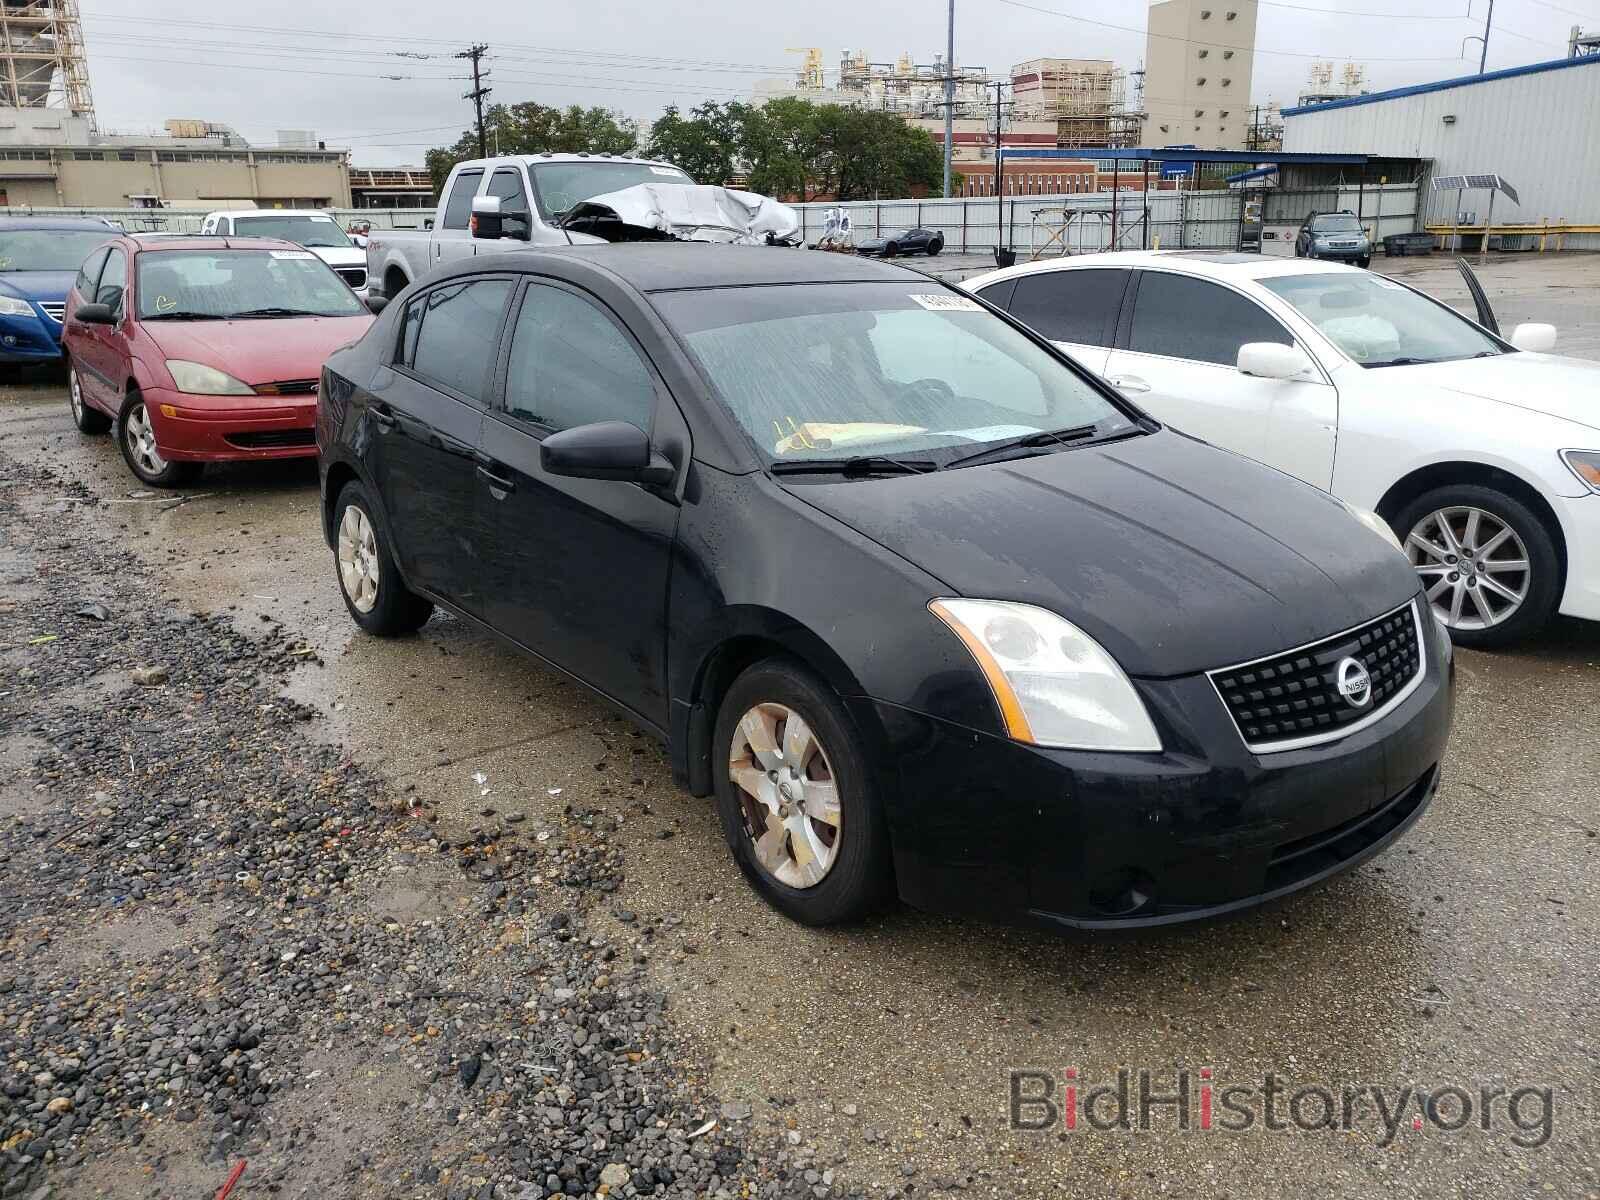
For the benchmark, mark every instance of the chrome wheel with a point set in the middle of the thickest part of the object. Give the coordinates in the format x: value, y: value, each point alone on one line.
x: 358, y: 559
x: 789, y: 795
x: 141, y: 440
x: 75, y: 394
x: 1474, y: 565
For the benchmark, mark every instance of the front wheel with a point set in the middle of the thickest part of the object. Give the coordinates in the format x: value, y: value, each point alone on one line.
x: 87, y: 419
x: 1487, y: 560
x: 373, y: 591
x: 796, y: 797
x: 891, y: 249
x: 1364, y: 261
x: 137, y: 438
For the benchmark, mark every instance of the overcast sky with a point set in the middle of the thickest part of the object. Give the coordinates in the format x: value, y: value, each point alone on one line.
x: 311, y: 64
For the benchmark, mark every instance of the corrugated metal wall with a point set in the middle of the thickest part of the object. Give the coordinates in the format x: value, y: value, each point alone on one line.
x: 1535, y: 130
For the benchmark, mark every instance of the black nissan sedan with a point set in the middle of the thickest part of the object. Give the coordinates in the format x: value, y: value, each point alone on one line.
x: 927, y: 609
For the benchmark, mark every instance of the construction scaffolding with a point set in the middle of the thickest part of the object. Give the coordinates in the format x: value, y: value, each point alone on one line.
x: 1086, y: 97
x: 44, y: 61
x: 910, y: 88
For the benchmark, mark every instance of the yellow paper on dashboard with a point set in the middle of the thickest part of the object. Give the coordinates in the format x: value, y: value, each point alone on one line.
x: 833, y: 435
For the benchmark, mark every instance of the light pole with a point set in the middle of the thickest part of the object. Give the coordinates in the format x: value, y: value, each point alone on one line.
x: 949, y: 94
x: 1483, y: 42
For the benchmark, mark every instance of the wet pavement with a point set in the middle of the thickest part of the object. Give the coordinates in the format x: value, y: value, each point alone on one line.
x: 1466, y: 958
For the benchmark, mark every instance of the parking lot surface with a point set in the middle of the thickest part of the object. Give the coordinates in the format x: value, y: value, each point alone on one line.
x: 874, y: 1059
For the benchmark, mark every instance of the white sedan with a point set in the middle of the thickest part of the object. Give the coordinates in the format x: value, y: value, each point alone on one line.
x: 1483, y: 454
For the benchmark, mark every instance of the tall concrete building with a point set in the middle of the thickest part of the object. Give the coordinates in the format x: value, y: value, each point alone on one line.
x: 1198, y: 60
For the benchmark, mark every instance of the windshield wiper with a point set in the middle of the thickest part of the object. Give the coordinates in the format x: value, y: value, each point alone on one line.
x: 1029, y: 441
x: 858, y: 464
x: 277, y: 312
x: 1401, y: 362
x: 184, y: 316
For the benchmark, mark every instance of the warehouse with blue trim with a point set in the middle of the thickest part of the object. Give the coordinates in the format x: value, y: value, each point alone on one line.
x: 1533, y: 126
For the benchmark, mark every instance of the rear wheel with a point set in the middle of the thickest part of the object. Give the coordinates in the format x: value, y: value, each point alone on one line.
x: 373, y: 591
x: 87, y: 419
x: 139, y: 450
x: 796, y: 797
x: 1487, y: 561
x: 935, y: 246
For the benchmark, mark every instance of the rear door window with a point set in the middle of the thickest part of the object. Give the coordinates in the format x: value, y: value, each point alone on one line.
x: 458, y: 208
x: 1071, y: 306
x: 455, y: 347
x: 1180, y: 316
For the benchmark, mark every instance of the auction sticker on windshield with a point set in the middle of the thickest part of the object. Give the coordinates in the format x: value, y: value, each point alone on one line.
x: 291, y: 254
x: 941, y: 303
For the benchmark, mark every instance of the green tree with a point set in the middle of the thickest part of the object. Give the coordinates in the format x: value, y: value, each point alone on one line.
x: 529, y: 128
x: 709, y: 143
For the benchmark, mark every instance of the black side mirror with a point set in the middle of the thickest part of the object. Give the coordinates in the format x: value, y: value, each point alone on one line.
x: 376, y: 304
x: 606, y: 450
x: 95, y: 314
x: 488, y: 222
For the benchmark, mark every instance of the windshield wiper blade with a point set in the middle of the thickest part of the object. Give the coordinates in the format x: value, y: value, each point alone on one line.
x: 859, y: 464
x: 277, y: 312
x: 184, y: 316
x: 1401, y: 362
x: 1028, y: 441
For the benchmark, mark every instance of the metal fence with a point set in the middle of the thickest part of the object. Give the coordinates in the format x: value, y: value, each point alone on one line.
x: 189, y: 220
x: 1382, y: 208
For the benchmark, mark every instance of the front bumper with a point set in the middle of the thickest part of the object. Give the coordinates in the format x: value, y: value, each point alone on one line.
x: 984, y: 826
x: 32, y: 339
x: 192, y: 428
x: 1342, y: 253
x: 1580, y: 527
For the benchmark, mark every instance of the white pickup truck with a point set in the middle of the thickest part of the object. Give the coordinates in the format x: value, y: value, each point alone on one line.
x: 562, y: 199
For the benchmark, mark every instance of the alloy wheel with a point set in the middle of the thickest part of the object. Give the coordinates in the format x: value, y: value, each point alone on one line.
x: 789, y: 794
x: 75, y: 394
x: 358, y: 558
x: 1474, y: 565
x: 141, y: 440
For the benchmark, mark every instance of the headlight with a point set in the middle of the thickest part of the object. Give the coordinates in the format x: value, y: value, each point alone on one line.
x: 1585, y: 464
x: 1375, y: 523
x: 201, y: 380
x: 15, y: 306
x: 1053, y: 682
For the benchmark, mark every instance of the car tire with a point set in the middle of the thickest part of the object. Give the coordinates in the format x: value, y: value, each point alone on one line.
x: 839, y: 870
x: 377, y: 598
x: 892, y: 249
x: 1538, y: 585
x: 86, y: 418
x: 136, y: 437
x: 935, y: 246
x: 1364, y: 262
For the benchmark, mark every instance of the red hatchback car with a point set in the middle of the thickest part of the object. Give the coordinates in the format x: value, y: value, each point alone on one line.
x: 203, y: 349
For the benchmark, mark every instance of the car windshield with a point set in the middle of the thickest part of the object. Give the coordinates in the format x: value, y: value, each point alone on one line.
x: 1380, y: 323
x: 49, y: 249
x: 828, y: 371
x: 217, y: 284
x: 898, y: 235
x: 557, y: 186
x: 306, y: 230
x: 1338, y: 223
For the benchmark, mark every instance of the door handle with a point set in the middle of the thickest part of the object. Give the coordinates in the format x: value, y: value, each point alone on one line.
x: 382, y: 417
x: 500, y: 485
x: 1128, y: 383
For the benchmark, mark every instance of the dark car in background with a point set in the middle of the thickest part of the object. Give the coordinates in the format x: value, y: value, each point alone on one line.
x: 925, y: 606
x: 903, y: 241
x: 1335, y: 235
x: 38, y: 259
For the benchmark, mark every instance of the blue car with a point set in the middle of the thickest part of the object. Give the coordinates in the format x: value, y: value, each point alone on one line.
x: 39, y: 258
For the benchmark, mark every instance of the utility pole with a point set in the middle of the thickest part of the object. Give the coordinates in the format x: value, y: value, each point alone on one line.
x: 478, y: 92
x: 949, y: 95
x: 1483, y: 56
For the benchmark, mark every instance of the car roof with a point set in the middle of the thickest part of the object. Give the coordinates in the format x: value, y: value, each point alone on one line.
x: 64, y: 223
x: 669, y: 266
x: 198, y: 242
x: 1212, y: 264
x: 271, y: 212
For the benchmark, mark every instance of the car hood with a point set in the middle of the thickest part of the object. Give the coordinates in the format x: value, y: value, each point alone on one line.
x: 1175, y: 556
x: 38, y: 285
x: 257, y: 351
x: 340, y: 256
x: 1543, y: 383
x: 698, y: 213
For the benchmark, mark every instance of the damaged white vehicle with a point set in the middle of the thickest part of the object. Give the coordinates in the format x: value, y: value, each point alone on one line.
x: 556, y: 199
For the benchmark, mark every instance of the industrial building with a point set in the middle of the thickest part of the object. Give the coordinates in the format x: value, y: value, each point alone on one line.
x: 1085, y: 97
x: 391, y: 187
x: 1533, y: 126
x: 1198, y: 61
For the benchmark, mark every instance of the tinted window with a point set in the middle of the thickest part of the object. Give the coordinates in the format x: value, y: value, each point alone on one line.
x: 113, y: 281
x: 410, y: 326
x: 570, y: 365
x: 88, y: 273
x: 1184, y: 317
x: 460, y: 327
x: 459, y: 207
x: 999, y: 294
x: 507, y: 184
x: 1071, y: 306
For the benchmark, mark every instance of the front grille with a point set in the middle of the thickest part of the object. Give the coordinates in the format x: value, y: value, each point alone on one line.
x: 273, y: 439
x: 288, y: 387
x: 1293, y: 699
x: 356, y: 277
x: 54, y: 309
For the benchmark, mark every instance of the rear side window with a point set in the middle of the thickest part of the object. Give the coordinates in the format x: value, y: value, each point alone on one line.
x: 998, y: 294
x: 1183, y: 317
x: 507, y: 184
x: 571, y: 365
x: 458, y: 209
x: 89, y: 273
x: 460, y: 329
x: 1071, y: 306
x: 113, y: 281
